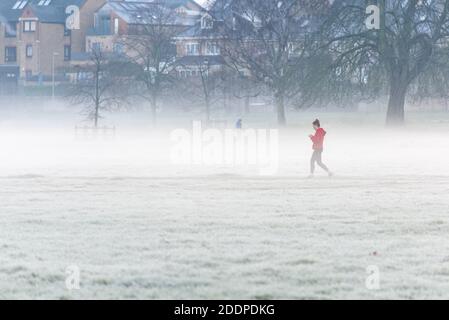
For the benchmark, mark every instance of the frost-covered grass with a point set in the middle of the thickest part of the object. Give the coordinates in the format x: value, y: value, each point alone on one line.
x: 138, y: 227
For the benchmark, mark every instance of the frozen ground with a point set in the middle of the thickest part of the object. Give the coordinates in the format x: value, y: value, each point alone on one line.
x: 139, y: 227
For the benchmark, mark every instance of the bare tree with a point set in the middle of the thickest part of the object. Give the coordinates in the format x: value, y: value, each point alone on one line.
x: 205, y: 81
x: 149, y: 45
x: 244, y: 88
x: 100, y: 85
x: 207, y: 86
x: 268, y: 40
x: 433, y: 84
x: 403, y: 45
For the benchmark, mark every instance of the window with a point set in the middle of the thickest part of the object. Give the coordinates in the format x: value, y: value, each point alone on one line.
x: 96, y: 46
x: 181, y: 11
x: 67, y: 52
x: 187, y: 73
x: 29, y: 26
x: 118, y: 48
x: 10, y: 30
x: 20, y: 4
x: 212, y: 49
x: 192, y: 49
x: 28, y: 74
x: 207, y: 22
x: 10, y: 54
x: 29, y: 51
x: 104, y: 25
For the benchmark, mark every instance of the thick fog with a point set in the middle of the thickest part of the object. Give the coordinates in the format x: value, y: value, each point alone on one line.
x: 56, y: 140
x: 137, y: 222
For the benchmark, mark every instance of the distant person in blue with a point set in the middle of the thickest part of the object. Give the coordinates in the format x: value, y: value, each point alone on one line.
x: 239, y: 124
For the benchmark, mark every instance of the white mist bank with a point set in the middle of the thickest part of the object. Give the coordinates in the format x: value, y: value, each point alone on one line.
x: 351, y: 149
x: 138, y: 226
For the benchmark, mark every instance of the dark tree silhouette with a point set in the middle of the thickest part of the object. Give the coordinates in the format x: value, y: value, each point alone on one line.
x: 101, y: 85
x: 149, y: 45
x: 409, y: 34
x: 269, y: 40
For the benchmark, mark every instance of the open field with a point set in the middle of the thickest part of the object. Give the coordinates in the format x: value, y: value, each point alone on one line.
x: 139, y: 227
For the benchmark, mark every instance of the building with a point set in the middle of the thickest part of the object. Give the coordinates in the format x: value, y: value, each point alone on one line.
x: 33, y: 34
x: 9, y: 76
x: 116, y: 19
x: 199, y: 47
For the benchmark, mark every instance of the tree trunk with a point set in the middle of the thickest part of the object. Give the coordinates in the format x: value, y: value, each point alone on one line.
x: 396, y: 102
x: 154, y: 110
x: 97, y: 95
x: 97, y: 114
x: 225, y: 102
x: 280, y: 106
x: 207, y: 101
x: 247, y: 104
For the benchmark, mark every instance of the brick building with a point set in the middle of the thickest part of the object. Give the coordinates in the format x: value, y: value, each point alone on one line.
x: 33, y: 34
x: 116, y: 19
x: 34, y: 37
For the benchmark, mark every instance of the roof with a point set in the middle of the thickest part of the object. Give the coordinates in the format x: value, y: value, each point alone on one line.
x: 7, y: 14
x: 197, y: 32
x: 180, y: 3
x: 139, y: 12
x: 130, y: 11
x: 171, y: 3
x: 51, y: 11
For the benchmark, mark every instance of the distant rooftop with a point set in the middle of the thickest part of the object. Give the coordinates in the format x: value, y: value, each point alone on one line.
x: 52, y: 11
x: 145, y: 12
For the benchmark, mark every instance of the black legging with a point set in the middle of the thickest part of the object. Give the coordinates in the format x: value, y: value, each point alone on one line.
x: 316, y: 157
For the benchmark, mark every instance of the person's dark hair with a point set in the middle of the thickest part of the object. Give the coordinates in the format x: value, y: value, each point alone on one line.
x: 317, y: 123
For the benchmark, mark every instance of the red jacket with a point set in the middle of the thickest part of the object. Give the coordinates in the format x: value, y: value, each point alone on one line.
x: 318, y: 139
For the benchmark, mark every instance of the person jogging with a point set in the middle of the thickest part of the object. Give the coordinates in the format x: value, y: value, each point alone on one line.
x: 318, y: 142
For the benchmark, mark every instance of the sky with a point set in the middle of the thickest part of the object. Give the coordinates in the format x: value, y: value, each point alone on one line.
x: 201, y: 2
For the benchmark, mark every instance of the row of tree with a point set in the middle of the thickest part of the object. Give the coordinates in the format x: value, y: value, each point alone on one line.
x: 301, y: 52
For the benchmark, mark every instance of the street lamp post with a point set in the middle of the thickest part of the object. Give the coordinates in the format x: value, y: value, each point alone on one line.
x: 206, y: 88
x: 53, y: 74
